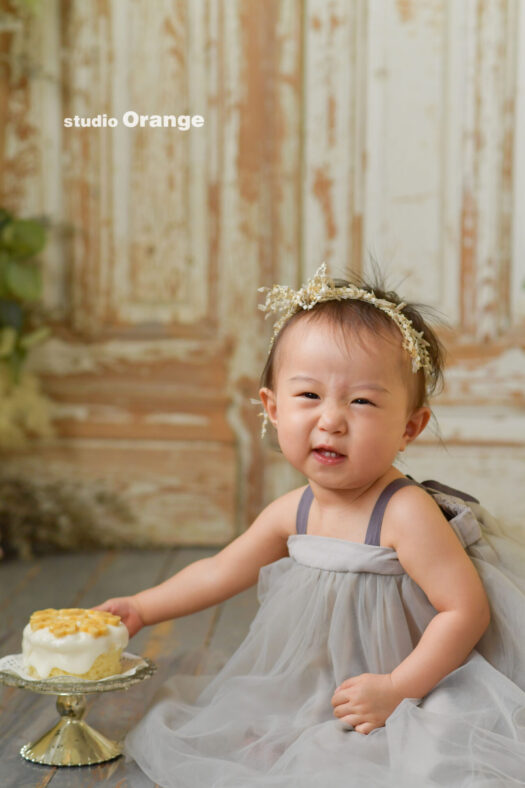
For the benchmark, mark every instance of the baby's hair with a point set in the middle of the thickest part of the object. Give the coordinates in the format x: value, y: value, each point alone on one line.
x: 361, y: 315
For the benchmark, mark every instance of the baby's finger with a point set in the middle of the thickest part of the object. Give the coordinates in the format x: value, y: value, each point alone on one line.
x: 348, y: 682
x: 343, y: 709
x: 109, y: 606
x: 355, y: 720
x: 365, y: 727
x: 339, y: 697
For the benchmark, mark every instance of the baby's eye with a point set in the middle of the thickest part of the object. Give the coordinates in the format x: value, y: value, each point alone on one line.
x: 309, y: 395
x: 362, y: 401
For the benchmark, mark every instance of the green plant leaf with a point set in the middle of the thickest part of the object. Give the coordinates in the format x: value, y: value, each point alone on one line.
x: 8, y: 337
x: 4, y: 259
x: 22, y: 237
x: 34, y: 337
x: 11, y: 314
x: 5, y: 217
x: 15, y: 361
x: 24, y: 280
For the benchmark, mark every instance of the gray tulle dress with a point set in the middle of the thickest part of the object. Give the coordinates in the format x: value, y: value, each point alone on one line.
x: 331, y: 610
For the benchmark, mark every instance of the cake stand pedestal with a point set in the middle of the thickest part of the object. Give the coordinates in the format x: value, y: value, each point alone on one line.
x: 72, y: 742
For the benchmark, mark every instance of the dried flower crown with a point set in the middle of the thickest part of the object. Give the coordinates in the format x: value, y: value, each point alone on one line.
x: 320, y: 288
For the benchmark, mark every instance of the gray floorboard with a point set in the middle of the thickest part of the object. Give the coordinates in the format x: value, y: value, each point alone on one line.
x: 83, y: 580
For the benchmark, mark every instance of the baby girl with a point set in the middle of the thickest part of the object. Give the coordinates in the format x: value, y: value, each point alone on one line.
x: 386, y: 650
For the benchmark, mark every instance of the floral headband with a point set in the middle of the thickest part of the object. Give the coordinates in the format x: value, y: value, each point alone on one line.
x: 321, y: 288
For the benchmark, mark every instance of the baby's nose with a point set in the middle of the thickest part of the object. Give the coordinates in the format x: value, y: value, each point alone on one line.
x: 332, y: 418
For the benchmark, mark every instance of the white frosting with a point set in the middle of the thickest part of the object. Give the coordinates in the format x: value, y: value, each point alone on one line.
x: 73, y: 653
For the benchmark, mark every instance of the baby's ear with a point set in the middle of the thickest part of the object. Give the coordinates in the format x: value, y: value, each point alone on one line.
x: 270, y: 405
x: 415, y: 425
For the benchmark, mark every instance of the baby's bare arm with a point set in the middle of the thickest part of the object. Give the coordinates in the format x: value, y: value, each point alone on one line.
x: 432, y: 555
x: 212, y: 580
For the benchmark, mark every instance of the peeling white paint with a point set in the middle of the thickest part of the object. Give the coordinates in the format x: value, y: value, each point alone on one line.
x: 58, y: 357
x: 186, y: 419
x: 490, y: 424
x: 90, y: 412
x: 492, y: 474
x: 60, y: 410
x: 497, y: 377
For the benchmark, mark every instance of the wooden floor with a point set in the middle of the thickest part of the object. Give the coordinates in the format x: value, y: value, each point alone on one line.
x: 83, y: 581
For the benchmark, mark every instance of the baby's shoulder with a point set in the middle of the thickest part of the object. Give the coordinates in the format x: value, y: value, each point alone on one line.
x: 409, y: 508
x: 283, y: 510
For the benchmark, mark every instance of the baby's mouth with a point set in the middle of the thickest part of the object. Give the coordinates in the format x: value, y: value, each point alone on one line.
x: 327, y: 454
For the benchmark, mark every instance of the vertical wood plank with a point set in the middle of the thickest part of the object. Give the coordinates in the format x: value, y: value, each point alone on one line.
x: 457, y: 229
x: 260, y: 155
x: 470, y: 210
x: 490, y: 90
x: 405, y: 144
x: 49, y: 96
x: 517, y: 298
x: 332, y: 36
x: 87, y: 179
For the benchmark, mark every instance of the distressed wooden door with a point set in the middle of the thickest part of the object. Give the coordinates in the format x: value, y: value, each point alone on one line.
x: 333, y: 131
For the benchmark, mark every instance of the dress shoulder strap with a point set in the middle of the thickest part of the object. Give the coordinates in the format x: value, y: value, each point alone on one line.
x: 303, y: 510
x: 431, y: 485
x: 373, y: 533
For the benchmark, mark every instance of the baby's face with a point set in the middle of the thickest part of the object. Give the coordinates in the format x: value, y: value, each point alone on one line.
x: 342, y: 394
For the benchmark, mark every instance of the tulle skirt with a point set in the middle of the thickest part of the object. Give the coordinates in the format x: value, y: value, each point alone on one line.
x: 331, y: 610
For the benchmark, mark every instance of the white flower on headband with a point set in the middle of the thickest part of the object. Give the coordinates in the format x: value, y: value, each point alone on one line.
x: 321, y: 288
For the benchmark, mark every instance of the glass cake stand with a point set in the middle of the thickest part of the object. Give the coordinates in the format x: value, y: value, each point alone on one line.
x: 72, y: 742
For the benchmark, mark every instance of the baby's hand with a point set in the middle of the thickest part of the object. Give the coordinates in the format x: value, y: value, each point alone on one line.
x: 127, y: 609
x: 365, y: 701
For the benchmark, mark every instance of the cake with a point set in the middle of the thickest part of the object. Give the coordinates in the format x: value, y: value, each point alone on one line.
x: 73, y: 642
